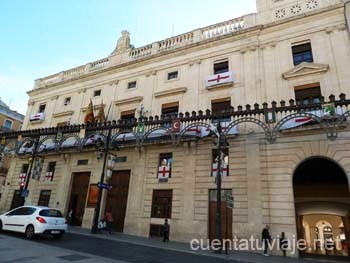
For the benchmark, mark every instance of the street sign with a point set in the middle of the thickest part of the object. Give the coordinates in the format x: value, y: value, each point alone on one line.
x: 229, y: 201
x: 25, y: 193
x: 104, y: 186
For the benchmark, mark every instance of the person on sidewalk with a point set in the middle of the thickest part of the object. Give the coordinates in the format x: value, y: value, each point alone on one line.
x: 109, y: 221
x: 266, y: 238
x: 70, y: 216
x: 166, y: 228
x: 100, y: 226
x: 283, y: 244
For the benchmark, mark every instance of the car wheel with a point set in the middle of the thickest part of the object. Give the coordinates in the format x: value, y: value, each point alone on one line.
x: 30, y: 233
x: 58, y: 236
x: 0, y: 226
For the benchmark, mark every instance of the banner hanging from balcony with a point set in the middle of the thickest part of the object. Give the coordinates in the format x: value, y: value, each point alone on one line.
x: 224, y: 169
x: 163, y: 172
x: 218, y: 79
x: 22, y: 178
x: 89, y: 117
x: 48, y: 177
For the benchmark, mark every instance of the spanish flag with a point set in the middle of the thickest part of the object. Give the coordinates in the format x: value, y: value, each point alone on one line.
x: 89, y: 117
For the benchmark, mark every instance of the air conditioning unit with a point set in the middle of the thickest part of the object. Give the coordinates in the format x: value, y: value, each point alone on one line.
x: 37, y: 117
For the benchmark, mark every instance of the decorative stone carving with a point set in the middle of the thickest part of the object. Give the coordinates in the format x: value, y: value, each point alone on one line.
x: 305, y: 68
x: 123, y: 43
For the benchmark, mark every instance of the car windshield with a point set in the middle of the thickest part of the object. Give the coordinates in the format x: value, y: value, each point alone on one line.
x: 50, y: 213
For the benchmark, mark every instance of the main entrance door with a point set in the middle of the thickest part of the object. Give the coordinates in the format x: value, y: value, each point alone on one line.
x: 322, y: 203
x: 226, y: 215
x: 78, y: 196
x: 117, y: 198
x: 17, y: 199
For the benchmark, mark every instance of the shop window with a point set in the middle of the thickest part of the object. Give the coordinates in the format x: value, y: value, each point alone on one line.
x: 44, y: 198
x: 161, y: 203
x: 308, y: 94
x: 302, y: 53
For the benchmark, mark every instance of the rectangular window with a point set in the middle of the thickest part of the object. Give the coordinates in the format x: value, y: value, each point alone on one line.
x: 170, y: 109
x: 302, y: 53
x: 173, y: 75
x: 24, y: 168
x: 221, y: 67
x: 127, y: 115
x: 83, y: 162
x: 220, y: 107
x: 44, y: 198
x: 132, y: 85
x: 97, y: 93
x: 308, y: 94
x: 42, y: 108
x: 224, y: 161
x: 67, y: 101
x: 161, y: 203
x: 8, y: 125
x: 51, y: 167
x: 165, y: 164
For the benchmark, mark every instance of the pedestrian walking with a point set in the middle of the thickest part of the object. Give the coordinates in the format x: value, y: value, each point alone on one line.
x: 70, y: 216
x: 109, y: 221
x: 100, y: 226
x: 283, y: 244
x: 266, y: 238
x: 166, y: 228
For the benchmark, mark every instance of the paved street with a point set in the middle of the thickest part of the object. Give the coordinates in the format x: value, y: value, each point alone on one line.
x: 83, y: 247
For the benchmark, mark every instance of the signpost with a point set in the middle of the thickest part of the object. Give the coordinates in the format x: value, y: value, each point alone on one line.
x: 104, y: 186
x: 229, y: 204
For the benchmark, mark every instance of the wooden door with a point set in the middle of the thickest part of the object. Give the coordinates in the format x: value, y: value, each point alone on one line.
x: 117, y: 198
x: 226, y: 220
x: 78, y: 196
x: 17, y: 199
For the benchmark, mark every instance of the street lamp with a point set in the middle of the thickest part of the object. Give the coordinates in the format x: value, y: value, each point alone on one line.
x: 221, y: 141
x: 105, y: 150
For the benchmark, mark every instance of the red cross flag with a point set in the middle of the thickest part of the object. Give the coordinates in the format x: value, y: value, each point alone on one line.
x: 22, y: 177
x: 163, y: 172
x: 224, y: 169
x: 217, y: 79
x: 48, y: 176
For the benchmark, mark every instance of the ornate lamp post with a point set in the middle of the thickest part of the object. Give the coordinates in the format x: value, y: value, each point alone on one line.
x: 104, y: 149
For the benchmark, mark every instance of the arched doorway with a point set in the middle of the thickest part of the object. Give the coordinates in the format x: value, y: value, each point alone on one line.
x: 322, y: 206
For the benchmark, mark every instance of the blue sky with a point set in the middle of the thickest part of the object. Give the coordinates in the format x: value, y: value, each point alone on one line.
x: 43, y: 37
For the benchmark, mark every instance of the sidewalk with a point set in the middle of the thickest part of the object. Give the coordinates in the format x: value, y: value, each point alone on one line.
x: 243, y: 256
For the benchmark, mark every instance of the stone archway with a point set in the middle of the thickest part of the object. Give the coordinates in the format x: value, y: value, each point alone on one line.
x: 321, y: 194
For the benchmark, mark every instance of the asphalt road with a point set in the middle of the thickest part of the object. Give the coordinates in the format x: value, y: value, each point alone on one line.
x: 125, y: 251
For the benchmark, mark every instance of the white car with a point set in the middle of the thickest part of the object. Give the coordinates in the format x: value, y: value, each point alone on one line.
x: 34, y: 220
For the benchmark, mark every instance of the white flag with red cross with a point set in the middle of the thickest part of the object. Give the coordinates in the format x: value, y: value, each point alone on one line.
x: 220, y: 78
x: 163, y: 172
x: 224, y: 169
x: 48, y: 176
x: 22, y: 178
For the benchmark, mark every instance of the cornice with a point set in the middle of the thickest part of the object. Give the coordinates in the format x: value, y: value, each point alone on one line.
x: 170, y: 92
x: 63, y: 113
x: 129, y: 100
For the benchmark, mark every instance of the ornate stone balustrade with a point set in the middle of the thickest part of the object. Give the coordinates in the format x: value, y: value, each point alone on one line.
x: 172, y: 43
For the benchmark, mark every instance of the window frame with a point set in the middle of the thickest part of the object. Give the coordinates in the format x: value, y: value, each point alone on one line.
x: 168, y: 156
x: 133, y: 84
x: 40, y: 110
x: 308, y: 88
x: 303, y: 54
x: 165, y: 208
x: 170, y: 75
x: 45, y: 200
x: 8, y: 120
x: 67, y: 101
x: 97, y: 93
x: 221, y: 69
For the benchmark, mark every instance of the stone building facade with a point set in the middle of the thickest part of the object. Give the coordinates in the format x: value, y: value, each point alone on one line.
x: 290, y: 49
x: 9, y: 120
